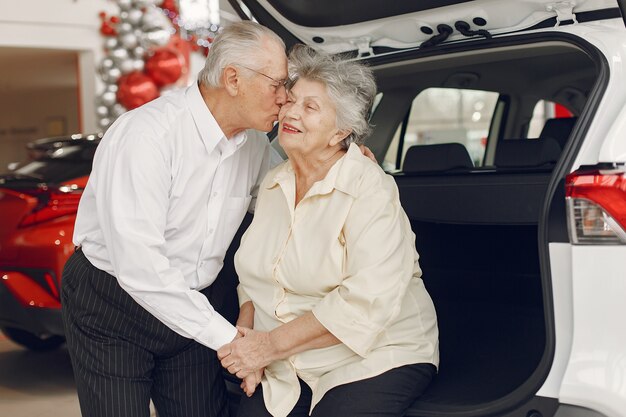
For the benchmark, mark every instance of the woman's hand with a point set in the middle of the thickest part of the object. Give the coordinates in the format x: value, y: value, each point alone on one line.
x: 252, y: 352
x: 250, y: 382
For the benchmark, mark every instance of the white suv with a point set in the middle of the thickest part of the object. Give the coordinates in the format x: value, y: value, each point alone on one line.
x: 504, y: 125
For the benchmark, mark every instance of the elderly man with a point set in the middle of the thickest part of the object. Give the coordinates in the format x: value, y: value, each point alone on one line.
x: 170, y: 185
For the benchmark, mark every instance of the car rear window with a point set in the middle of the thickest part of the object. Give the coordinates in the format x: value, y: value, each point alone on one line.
x: 445, y: 115
x: 53, y: 170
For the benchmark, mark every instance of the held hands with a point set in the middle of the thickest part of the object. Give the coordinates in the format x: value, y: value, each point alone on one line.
x: 247, y: 355
x: 250, y: 382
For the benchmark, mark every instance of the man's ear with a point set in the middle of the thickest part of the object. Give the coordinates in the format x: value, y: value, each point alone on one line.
x: 230, y: 80
x: 339, y: 136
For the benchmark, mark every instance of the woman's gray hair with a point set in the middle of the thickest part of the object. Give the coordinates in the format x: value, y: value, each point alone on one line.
x: 238, y: 43
x: 350, y: 85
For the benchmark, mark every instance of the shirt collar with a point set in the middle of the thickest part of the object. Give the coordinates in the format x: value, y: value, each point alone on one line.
x: 207, y: 126
x: 341, y: 177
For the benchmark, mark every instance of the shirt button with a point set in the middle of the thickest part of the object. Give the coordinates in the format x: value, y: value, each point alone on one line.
x: 215, y: 194
x: 211, y: 231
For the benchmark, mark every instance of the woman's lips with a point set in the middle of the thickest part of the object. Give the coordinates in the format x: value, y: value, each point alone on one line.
x: 287, y: 128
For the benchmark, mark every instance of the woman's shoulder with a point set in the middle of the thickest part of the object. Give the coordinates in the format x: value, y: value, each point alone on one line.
x: 365, y: 175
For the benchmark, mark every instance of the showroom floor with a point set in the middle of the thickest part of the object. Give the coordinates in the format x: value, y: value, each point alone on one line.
x: 36, y: 384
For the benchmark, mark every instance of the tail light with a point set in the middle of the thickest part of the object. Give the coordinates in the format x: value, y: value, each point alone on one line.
x: 52, y: 203
x: 596, y: 205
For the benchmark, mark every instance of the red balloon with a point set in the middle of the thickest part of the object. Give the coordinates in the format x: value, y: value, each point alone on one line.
x: 107, y: 30
x: 165, y: 66
x: 135, y: 89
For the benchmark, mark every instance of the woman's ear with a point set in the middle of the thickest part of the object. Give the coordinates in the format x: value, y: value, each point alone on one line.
x: 339, y: 136
x: 230, y: 79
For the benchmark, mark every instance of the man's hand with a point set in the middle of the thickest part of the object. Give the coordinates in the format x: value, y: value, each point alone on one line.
x: 244, y: 355
x: 367, y: 152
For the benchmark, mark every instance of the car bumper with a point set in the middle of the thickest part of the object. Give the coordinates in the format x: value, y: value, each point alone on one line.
x: 34, y: 319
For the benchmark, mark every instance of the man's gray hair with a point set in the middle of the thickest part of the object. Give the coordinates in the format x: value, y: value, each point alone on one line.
x: 350, y: 85
x: 238, y: 43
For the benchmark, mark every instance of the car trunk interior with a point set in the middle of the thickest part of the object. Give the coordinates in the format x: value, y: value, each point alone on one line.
x: 480, y: 264
x: 477, y: 230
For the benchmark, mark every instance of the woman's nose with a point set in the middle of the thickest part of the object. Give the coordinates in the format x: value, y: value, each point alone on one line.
x: 290, y: 110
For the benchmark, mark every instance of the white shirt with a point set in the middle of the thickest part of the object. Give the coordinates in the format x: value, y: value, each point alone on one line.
x: 347, y: 254
x: 165, y: 197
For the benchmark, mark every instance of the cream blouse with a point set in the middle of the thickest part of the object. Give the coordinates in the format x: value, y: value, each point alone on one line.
x: 347, y: 253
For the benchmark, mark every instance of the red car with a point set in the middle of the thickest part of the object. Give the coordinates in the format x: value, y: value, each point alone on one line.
x: 38, y: 203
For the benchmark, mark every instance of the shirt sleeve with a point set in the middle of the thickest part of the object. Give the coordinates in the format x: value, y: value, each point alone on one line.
x: 243, y: 295
x: 133, y: 201
x: 380, y: 262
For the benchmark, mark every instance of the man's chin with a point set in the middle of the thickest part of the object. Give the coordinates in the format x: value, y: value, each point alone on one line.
x: 265, y: 127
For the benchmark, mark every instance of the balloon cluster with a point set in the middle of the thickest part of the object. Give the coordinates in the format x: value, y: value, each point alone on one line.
x: 144, y: 55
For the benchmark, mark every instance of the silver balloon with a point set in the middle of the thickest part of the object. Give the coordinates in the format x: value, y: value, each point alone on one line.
x: 134, y: 17
x: 109, y: 74
x: 139, y: 52
x: 128, y: 40
x: 153, y: 19
x: 106, y: 63
x: 111, y: 43
x: 138, y: 64
x: 104, y: 122
x: 124, y: 4
x: 102, y: 111
x: 112, y: 88
x: 112, y: 75
x: 124, y: 27
x: 145, y: 3
x: 117, y: 110
x: 158, y: 37
x: 118, y: 54
x: 108, y: 98
x: 126, y: 65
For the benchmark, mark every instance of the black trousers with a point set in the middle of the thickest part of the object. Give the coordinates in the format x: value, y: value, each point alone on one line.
x: 123, y: 356
x: 388, y: 394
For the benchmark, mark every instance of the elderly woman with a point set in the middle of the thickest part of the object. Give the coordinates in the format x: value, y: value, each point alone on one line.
x: 329, y: 274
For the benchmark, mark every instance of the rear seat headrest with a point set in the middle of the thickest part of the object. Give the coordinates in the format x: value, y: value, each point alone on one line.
x: 558, y: 129
x: 437, y: 157
x: 527, y: 152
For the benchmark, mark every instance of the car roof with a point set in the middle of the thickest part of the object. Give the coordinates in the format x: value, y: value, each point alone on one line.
x: 79, y: 139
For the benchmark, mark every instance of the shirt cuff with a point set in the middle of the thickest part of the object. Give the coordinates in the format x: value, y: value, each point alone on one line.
x: 219, y: 333
x: 346, y: 323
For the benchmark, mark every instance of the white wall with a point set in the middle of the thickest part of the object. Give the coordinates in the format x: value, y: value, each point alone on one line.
x: 64, y: 25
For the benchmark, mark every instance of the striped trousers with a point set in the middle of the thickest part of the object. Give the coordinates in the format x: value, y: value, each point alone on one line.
x: 123, y: 356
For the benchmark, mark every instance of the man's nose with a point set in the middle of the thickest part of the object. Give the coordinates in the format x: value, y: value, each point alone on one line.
x: 281, y: 96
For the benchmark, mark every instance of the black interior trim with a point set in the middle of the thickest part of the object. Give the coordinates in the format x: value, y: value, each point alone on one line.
x: 622, y: 9
x: 266, y: 19
x: 490, y: 198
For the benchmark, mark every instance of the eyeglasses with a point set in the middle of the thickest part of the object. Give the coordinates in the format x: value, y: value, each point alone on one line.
x: 276, y: 83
